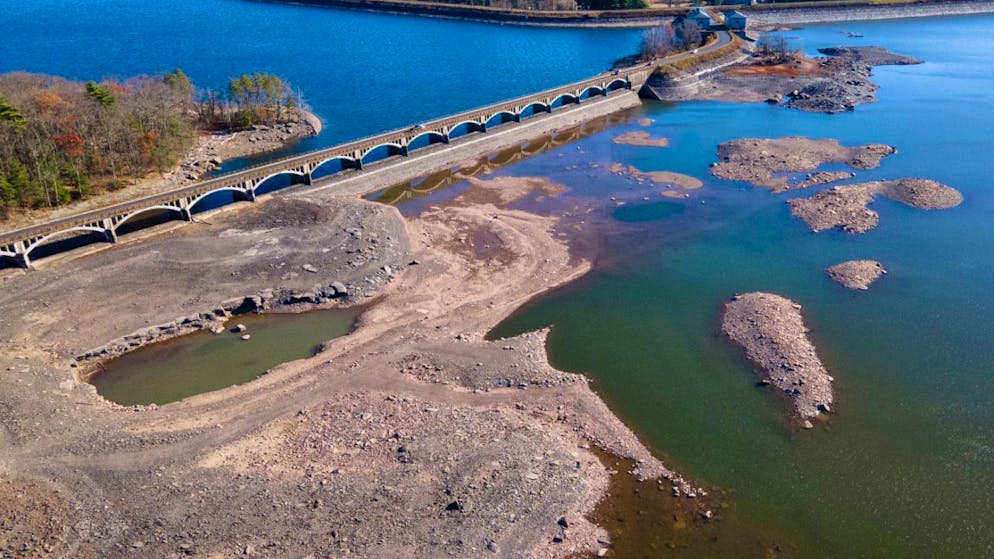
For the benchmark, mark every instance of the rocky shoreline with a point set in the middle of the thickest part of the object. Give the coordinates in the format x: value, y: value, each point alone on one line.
x: 771, y: 330
x: 837, y: 83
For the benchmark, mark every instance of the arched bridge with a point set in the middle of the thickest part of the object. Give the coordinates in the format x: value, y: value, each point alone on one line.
x: 180, y: 203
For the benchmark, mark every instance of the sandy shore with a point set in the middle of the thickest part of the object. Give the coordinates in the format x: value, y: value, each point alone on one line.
x: 411, y: 437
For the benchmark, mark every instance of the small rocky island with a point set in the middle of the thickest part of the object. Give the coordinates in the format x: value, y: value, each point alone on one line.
x: 772, y: 332
x: 845, y: 206
x: 856, y: 274
x: 763, y: 162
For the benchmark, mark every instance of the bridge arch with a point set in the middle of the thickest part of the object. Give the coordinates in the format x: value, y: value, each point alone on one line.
x: 531, y: 108
x: 344, y: 163
x: 471, y: 126
x: 7, y: 254
x: 391, y: 150
x: 590, y: 91
x: 615, y: 84
x: 505, y: 117
x: 64, y: 235
x: 432, y: 137
x: 564, y: 99
x: 136, y: 213
x: 296, y: 177
x: 200, y: 198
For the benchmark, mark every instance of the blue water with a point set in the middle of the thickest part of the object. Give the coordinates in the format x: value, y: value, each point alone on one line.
x: 906, y: 466
x: 362, y: 73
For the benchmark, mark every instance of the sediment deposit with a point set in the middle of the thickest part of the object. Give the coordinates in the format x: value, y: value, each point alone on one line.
x: 846, y: 207
x: 771, y: 330
x: 641, y: 138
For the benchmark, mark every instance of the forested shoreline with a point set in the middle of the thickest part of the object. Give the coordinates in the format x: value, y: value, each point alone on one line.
x: 63, y: 140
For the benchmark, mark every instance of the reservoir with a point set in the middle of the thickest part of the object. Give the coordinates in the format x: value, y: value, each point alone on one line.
x: 905, y: 465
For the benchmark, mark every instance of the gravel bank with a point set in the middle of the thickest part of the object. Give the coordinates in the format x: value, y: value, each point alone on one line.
x: 772, y: 332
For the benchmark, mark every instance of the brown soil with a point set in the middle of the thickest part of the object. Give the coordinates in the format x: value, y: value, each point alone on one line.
x: 827, y: 85
x: 846, y: 206
x: 799, y: 67
x: 771, y: 330
x: 856, y: 274
x: 413, y: 436
x: 641, y: 138
x: 757, y: 161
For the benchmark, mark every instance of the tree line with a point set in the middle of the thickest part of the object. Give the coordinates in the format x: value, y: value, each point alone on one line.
x: 668, y: 38
x: 62, y: 140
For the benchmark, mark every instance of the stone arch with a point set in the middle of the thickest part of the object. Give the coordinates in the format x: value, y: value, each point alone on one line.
x: 610, y: 86
x: 503, y: 120
x: 590, y: 91
x: 301, y: 179
x: 535, y: 106
x: 572, y: 99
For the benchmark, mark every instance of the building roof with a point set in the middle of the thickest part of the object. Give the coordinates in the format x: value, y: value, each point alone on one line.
x: 697, y: 12
x: 735, y: 13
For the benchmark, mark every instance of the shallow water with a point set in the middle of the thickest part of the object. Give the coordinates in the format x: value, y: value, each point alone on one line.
x: 906, y: 466
x: 201, y: 362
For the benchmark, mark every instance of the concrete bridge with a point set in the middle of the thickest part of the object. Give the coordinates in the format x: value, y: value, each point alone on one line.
x: 182, y: 202
x: 351, y: 157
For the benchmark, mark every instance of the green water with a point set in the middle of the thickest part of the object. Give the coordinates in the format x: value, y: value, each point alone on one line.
x: 905, y: 468
x: 201, y: 362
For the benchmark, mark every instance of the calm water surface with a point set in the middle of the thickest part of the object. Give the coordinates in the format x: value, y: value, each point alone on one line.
x: 906, y: 467
x: 362, y: 73
x: 196, y: 363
